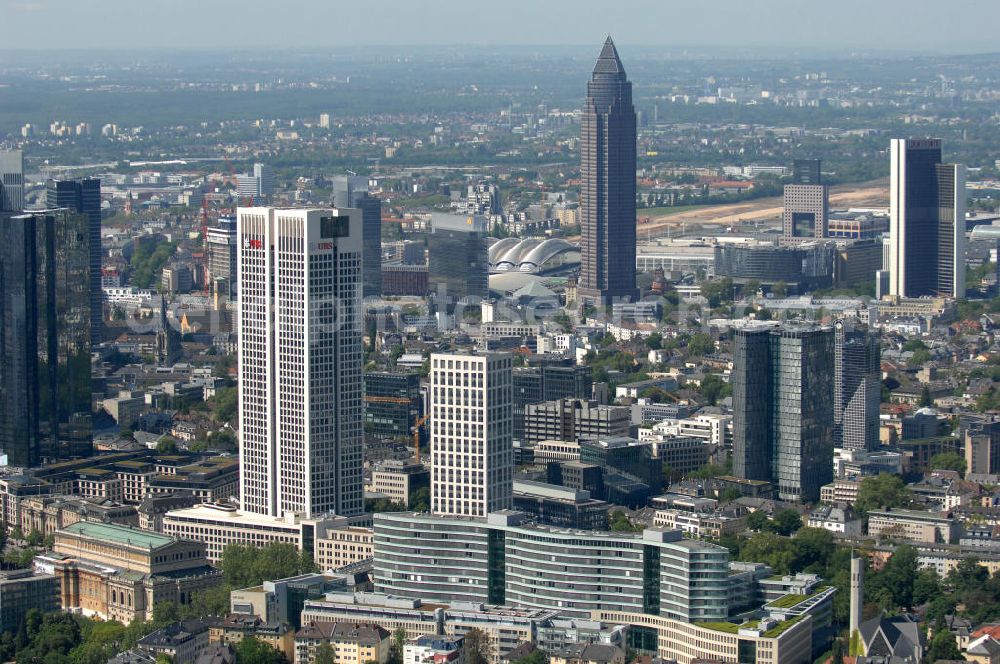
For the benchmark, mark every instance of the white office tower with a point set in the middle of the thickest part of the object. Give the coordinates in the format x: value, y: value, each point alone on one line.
x: 265, y: 179
x: 11, y: 180
x: 300, y: 359
x: 472, y: 453
x: 926, y: 221
x: 259, y: 183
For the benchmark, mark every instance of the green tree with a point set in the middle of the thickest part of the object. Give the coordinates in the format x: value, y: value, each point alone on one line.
x: 780, y: 289
x: 942, y: 644
x: 772, y: 549
x: 244, y: 566
x: 787, y: 521
x: 730, y: 494
x: 700, y: 344
x: 536, y: 657
x: 209, y: 602
x: 883, y: 490
x: 166, y: 445
x: 897, y: 577
x: 35, y: 538
x: 477, y: 647
x: 324, y: 654
x: 225, y: 402
x: 252, y: 650
x: 714, y: 388
x: 926, y: 586
x: 837, y: 652
x: 398, y: 643
x: 421, y: 501
x: 967, y: 575
x: 814, y: 547
x: 654, y: 341
x: 19, y: 558
x: 717, y: 291
x: 758, y: 521
x: 948, y: 461
x: 620, y: 523
x: 919, y: 358
x: 165, y: 613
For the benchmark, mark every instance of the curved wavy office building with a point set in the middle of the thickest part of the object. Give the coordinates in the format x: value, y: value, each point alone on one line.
x: 503, y: 560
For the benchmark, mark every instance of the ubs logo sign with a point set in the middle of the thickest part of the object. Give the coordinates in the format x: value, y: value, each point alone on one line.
x: 251, y: 243
x: 325, y: 245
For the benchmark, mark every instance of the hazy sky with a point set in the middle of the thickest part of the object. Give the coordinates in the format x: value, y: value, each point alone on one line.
x: 922, y: 25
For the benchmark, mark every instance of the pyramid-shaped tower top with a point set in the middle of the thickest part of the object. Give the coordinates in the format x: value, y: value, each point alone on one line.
x: 608, y: 61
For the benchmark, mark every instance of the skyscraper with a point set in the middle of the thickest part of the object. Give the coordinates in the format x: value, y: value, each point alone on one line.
x: 926, y: 221
x: 45, y: 380
x: 258, y: 184
x: 300, y: 361
x: 607, y: 189
x: 857, y: 386
x: 806, y: 203
x: 783, y: 408
x: 352, y: 191
x: 221, y: 242
x: 457, y: 260
x: 472, y: 451
x: 84, y: 196
x: 11, y: 180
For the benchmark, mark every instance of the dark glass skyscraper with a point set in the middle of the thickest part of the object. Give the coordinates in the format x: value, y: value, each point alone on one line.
x: 84, y: 196
x: 926, y: 221
x: 857, y: 386
x: 45, y: 379
x: 783, y: 408
x: 607, y: 189
x: 352, y: 191
x: 457, y: 260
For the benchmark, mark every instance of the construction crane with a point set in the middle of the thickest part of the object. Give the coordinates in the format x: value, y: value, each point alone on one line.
x: 416, y: 437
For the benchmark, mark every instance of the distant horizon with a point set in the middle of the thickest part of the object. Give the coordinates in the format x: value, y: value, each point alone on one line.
x: 913, y: 26
x: 675, y: 51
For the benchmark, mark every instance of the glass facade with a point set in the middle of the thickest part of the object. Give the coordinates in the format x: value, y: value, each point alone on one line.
x: 457, y: 266
x: 548, y: 381
x: 392, y: 403
x: 84, y: 197
x: 45, y: 373
x: 651, y: 580
x: 783, y: 388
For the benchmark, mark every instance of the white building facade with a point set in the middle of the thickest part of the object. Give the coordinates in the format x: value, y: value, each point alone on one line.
x: 300, y: 359
x: 472, y: 453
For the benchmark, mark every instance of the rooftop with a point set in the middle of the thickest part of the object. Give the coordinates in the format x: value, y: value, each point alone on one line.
x: 125, y: 535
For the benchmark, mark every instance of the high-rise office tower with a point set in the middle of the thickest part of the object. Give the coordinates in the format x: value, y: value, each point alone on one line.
x: 45, y: 380
x: 806, y: 203
x: 352, y: 191
x: 84, y: 196
x: 857, y: 389
x: 926, y: 221
x: 258, y: 184
x: 783, y: 408
x: 457, y: 260
x: 607, y: 189
x: 11, y: 180
x: 300, y: 361
x: 472, y: 451
x: 221, y: 241
x: 982, y: 447
x: 547, y: 379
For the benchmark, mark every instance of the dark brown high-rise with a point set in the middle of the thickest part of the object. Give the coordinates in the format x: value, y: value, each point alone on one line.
x: 607, y: 190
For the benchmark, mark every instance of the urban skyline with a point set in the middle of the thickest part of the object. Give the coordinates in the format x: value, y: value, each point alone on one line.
x: 447, y: 359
